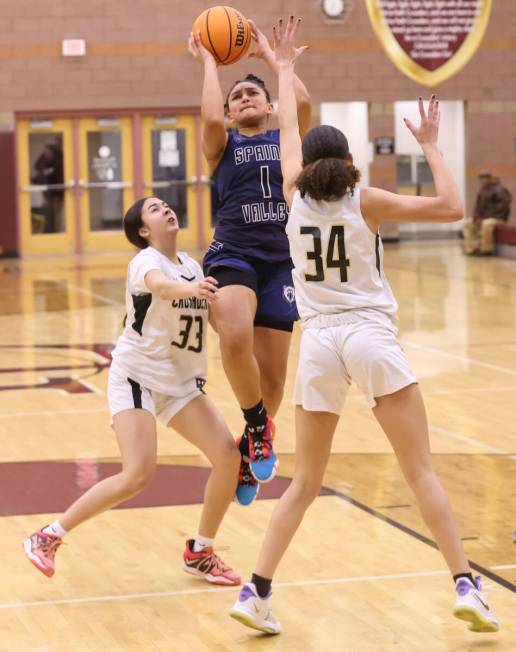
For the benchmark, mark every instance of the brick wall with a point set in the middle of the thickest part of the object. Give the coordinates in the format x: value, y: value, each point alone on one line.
x: 136, y: 57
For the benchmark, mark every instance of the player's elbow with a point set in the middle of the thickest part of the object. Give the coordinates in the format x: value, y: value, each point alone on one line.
x: 304, y: 102
x: 455, y: 212
x: 447, y: 210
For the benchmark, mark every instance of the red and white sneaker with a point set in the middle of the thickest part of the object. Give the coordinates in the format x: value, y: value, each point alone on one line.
x: 208, y: 565
x: 41, y: 548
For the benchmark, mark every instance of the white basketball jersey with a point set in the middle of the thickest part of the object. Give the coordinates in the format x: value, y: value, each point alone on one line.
x: 163, y: 346
x: 338, y: 268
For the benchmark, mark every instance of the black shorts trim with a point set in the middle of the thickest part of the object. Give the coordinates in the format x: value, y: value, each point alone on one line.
x: 137, y: 393
x: 263, y: 322
x: 232, y: 276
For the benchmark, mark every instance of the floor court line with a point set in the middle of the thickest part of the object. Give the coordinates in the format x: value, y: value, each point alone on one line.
x: 183, y: 592
x: 77, y: 288
x: 505, y: 567
x: 51, y: 413
x: 454, y: 356
x: 469, y: 440
x: 472, y: 390
x: 501, y: 581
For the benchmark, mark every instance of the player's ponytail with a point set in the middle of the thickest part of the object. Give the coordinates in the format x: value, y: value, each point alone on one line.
x: 328, y: 179
x: 133, y: 223
x: 328, y: 171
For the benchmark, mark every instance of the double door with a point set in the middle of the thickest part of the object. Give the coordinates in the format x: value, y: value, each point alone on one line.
x: 78, y: 176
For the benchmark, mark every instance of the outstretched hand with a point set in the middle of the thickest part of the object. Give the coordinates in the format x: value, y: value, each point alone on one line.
x: 283, y: 38
x: 207, y: 289
x: 428, y: 130
x: 197, y: 49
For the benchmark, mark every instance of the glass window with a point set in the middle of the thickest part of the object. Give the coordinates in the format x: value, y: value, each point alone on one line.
x: 46, y: 171
x: 169, y: 170
x: 104, y: 167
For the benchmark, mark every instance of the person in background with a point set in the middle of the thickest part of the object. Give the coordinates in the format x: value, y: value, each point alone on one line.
x: 493, y: 207
x: 48, y: 171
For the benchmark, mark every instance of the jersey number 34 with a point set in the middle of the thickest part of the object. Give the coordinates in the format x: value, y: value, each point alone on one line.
x: 335, y: 254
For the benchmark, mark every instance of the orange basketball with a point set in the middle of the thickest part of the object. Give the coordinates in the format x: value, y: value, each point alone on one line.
x: 224, y: 32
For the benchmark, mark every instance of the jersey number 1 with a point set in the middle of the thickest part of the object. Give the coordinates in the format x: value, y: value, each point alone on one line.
x: 336, y: 241
x: 265, y: 180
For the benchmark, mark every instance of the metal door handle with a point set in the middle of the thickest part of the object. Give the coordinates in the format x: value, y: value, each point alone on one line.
x: 110, y: 185
x: 171, y: 183
x: 36, y: 187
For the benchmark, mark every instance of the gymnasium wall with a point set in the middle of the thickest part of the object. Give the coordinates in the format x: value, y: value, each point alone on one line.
x: 136, y: 57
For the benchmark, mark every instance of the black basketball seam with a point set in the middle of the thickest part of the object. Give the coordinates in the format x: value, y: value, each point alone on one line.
x: 244, y: 48
x: 230, y: 35
x: 209, y: 37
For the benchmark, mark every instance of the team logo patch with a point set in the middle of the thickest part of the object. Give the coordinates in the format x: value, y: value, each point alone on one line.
x: 289, y: 294
x: 215, y: 246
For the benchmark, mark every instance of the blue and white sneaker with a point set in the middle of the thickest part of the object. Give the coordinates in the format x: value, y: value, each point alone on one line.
x: 253, y: 611
x: 247, y: 487
x: 471, y: 605
x: 263, y: 460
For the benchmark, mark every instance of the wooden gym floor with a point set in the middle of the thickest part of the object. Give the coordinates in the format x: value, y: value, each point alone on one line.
x: 362, y: 574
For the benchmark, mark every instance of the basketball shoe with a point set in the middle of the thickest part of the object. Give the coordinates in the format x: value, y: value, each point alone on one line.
x: 208, y: 565
x: 41, y: 548
x: 247, y: 487
x: 263, y: 460
x: 253, y: 611
x: 471, y: 605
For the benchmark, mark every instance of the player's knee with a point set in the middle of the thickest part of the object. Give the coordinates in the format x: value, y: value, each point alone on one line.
x: 273, y: 385
x: 418, y: 478
x: 138, y: 479
x: 227, y: 456
x: 307, y: 489
x: 235, y: 340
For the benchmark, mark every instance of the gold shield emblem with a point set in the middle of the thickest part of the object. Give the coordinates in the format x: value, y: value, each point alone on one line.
x: 429, y: 41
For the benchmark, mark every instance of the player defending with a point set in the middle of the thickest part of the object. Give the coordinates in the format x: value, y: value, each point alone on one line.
x: 159, y: 370
x: 348, y: 315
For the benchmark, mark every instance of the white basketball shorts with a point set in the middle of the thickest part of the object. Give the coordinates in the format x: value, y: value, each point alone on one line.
x: 124, y: 393
x: 365, y: 352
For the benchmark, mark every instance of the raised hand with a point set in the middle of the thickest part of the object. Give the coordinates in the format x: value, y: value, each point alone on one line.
x: 283, y: 38
x: 428, y: 130
x: 262, y: 48
x: 197, y: 49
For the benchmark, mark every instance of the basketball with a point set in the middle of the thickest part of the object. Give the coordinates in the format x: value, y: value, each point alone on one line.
x: 224, y: 32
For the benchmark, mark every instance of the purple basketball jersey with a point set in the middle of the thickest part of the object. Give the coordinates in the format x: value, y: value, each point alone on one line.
x: 252, y: 212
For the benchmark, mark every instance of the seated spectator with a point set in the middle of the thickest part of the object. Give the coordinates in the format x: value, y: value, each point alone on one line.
x: 493, y: 207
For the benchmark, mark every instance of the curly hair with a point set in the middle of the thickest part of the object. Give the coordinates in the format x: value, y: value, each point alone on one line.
x: 328, y: 171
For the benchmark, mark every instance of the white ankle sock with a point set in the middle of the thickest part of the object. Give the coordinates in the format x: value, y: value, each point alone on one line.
x: 55, y: 529
x: 201, y: 542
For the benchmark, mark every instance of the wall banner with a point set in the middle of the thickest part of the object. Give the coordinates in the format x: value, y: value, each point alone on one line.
x: 429, y: 40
